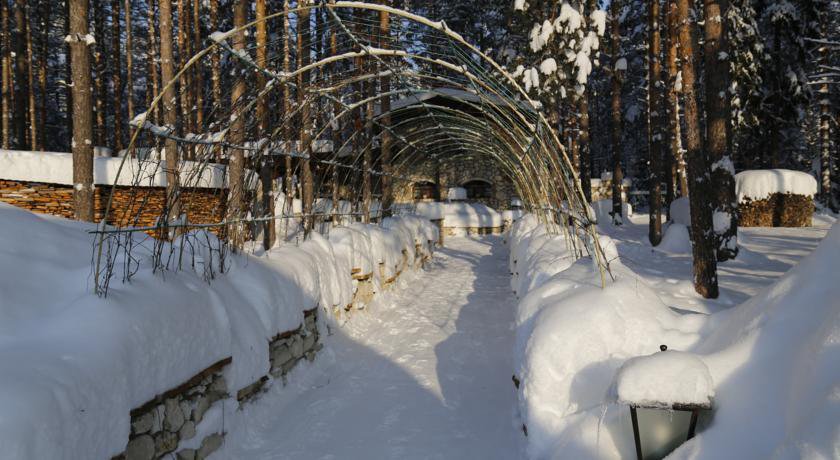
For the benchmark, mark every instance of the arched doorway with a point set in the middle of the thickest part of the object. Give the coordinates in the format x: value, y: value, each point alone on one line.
x: 478, y: 189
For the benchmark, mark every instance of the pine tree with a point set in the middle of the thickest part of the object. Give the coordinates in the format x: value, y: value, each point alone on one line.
x: 701, y: 199
x: 716, y: 55
x: 78, y: 40
x: 655, y: 104
x: 618, y: 67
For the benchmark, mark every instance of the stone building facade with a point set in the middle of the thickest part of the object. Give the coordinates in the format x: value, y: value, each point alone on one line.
x: 481, y: 177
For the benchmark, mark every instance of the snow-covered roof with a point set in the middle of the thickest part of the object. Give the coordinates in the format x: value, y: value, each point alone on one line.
x: 57, y: 168
x: 761, y: 183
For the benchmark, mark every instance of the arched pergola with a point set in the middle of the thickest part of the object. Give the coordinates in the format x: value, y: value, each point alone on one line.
x: 329, y: 102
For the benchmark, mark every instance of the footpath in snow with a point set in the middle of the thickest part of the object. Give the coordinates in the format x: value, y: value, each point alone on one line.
x: 424, y: 373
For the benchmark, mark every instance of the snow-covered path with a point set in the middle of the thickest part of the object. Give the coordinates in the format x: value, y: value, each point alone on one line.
x: 424, y: 373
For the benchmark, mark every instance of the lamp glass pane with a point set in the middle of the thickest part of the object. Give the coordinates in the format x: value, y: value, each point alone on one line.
x: 661, y: 431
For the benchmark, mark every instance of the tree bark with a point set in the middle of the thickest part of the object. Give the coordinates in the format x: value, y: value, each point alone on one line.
x: 585, y: 147
x: 45, y: 13
x: 617, y: 119
x: 655, y: 104
x: 385, y: 108
x: 21, y: 93
x: 170, y: 110
x: 68, y: 77
x: 99, y: 67
x: 30, y: 83
x: 6, y: 77
x: 701, y: 199
x: 336, y: 131
x: 152, y: 56
x: 184, y: 32
x: 716, y: 52
x: 129, y: 60
x: 198, y: 69
x: 236, y: 200
x: 267, y: 165
x: 304, y: 36
x: 825, y: 195
x: 119, y: 86
x: 82, y: 112
x: 288, y: 185
x: 215, y: 67
x: 677, y: 157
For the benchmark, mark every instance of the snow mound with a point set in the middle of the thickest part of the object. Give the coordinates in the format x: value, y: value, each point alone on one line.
x: 603, y: 208
x: 464, y: 215
x: 772, y: 364
x: 681, y: 211
x: 760, y: 184
x: 676, y: 240
x: 456, y: 193
x: 74, y: 364
x: 664, y: 379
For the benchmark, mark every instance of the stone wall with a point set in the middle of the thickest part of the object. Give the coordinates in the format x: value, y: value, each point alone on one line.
x: 131, y: 206
x: 454, y: 173
x: 160, y: 426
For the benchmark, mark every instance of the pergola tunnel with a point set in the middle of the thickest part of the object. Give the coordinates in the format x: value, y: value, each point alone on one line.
x: 328, y: 109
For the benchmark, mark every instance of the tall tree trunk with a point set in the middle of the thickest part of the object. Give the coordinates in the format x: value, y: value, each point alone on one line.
x: 21, y: 104
x: 617, y: 119
x: 267, y: 166
x: 99, y: 67
x: 82, y: 112
x: 215, y: 67
x: 304, y: 36
x: 655, y: 104
x: 385, y: 121
x: 236, y: 201
x: 30, y: 83
x: 336, y: 131
x: 6, y: 77
x: 701, y: 198
x: 44, y: 20
x: 825, y: 194
x: 170, y: 110
x: 677, y: 156
x: 119, y: 87
x: 585, y: 148
x: 68, y: 78
x: 716, y: 51
x: 129, y: 60
x: 184, y: 13
x: 152, y: 56
x: 198, y: 69
x: 288, y: 185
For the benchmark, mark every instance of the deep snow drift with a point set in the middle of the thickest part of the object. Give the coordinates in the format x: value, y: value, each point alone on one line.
x: 772, y: 364
x: 74, y: 364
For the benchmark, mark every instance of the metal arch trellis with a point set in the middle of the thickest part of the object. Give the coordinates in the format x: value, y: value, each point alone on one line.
x: 343, y: 103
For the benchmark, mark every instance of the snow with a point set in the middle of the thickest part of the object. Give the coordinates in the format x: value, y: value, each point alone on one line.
x: 57, y: 168
x: 771, y: 363
x: 603, y: 208
x: 456, y: 193
x: 464, y: 215
x: 74, y: 364
x: 548, y: 66
x: 675, y: 240
x: 664, y: 379
x: 423, y: 373
x: 760, y: 184
x: 681, y: 211
x: 599, y: 19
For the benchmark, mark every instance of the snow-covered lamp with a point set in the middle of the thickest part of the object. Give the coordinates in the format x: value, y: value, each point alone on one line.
x: 666, y: 392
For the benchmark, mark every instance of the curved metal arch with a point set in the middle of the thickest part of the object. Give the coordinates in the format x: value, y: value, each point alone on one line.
x: 512, y: 132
